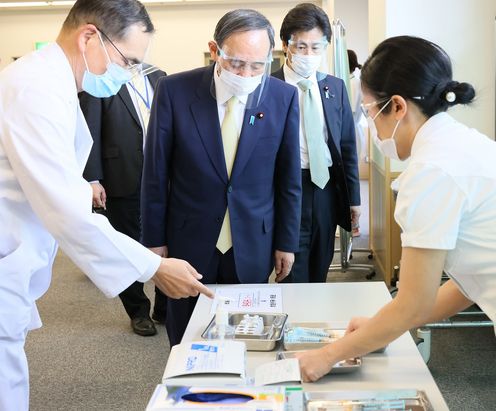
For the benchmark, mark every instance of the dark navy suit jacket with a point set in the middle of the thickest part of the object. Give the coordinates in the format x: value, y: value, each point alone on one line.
x: 186, y: 190
x: 342, y: 145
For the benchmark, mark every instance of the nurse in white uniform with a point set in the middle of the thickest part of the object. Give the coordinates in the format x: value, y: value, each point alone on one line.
x: 44, y: 200
x: 446, y: 204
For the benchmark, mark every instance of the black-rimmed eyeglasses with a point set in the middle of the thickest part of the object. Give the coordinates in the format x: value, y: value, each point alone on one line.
x: 134, y: 68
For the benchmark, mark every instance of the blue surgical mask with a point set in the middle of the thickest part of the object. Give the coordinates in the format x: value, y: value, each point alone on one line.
x: 106, y: 84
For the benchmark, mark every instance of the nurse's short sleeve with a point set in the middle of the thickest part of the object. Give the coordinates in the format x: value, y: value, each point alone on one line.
x: 429, y: 208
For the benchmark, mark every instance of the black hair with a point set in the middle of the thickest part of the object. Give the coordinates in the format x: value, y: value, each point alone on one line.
x: 113, y: 17
x: 305, y: 17
x: 415, y: 69
x: 353, y: 61
x: 241, y: 20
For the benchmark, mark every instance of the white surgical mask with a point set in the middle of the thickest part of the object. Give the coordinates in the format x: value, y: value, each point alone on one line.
x: 388, y: 145
x: 239, y: 85
x: 305, y: 65
x: 107, y: 84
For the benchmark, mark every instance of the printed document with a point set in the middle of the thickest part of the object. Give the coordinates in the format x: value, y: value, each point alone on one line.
x: 249, y: 299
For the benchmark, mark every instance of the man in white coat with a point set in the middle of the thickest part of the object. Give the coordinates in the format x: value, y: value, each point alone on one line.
x: 44, y: 200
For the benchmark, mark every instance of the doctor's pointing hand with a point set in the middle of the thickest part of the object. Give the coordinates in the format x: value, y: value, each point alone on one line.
x: 178, y: 279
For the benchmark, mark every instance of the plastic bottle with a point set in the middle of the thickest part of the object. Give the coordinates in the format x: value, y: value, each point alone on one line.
x: 222, y: 330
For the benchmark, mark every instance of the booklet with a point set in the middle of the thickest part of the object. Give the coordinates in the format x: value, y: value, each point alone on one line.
x: 222, y: 362
x: 215, y: 362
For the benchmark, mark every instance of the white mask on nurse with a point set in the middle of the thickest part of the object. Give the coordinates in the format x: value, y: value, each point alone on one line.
x: 388, y: 145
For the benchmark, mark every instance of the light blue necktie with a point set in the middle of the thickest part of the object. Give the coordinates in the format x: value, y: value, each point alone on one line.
x: 314, y: 134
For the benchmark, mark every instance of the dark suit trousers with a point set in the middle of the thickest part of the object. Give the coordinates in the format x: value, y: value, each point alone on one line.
x: 317, y: 232
x: 124, y: 215
x: 221, y: 270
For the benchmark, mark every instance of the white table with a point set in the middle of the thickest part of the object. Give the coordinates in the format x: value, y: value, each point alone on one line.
x: 400, y: 367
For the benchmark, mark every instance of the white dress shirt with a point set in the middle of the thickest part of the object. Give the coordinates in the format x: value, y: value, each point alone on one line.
x: 294, y: 78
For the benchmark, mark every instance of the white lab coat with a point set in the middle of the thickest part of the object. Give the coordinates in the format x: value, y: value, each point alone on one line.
x: 447, y: 201
x: 44, y: 145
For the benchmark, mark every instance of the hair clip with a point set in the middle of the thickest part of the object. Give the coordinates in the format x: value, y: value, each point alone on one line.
x: 450, y: 96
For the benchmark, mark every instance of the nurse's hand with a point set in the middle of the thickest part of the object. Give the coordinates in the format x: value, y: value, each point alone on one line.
x: 314, y: 364
x: 355, y: 323
x: 178, y: 279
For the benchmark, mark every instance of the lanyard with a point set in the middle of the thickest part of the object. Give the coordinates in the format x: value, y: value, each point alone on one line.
x: 146, y: 101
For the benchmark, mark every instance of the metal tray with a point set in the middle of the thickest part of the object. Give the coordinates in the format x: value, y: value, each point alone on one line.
x: 341, y: 367
x: 272, y: 333
x: 334, y: 334
x: 413, y: 400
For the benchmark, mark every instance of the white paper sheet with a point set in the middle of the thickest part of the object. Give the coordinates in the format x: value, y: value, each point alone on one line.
x: 249, y: 299
x: 278, y: 372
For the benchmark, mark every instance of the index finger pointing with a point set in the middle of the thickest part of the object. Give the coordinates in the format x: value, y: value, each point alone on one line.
x: 204, y: 290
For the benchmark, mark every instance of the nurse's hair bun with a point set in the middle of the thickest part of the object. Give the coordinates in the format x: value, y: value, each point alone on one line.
x: 454, y: 93
x: 415, y: 69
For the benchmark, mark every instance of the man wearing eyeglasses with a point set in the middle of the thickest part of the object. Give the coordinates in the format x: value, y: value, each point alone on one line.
x: 329, y: 164
x: 44, y: 200
x: 221, y: 179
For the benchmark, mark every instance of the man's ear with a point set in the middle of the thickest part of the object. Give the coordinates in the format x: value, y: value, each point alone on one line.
x: 214, y: 50
x: 84, y: 34
x: 284, y: 47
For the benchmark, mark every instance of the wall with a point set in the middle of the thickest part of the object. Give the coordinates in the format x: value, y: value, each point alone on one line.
x: 354, y: 16
x: 183, y: 31
x: 465, y: 31
x: 21, y: 29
